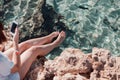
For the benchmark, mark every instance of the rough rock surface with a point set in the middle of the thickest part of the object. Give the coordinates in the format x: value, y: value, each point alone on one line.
x: 28, y: 13
x: 35, y: 17
x: 32, y: 24
x: 73, y: 64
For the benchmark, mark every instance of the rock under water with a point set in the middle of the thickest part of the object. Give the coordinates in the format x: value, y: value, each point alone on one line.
x: 93, y: 23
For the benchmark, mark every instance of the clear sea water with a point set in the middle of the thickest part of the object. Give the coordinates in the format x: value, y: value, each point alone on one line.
x: 94, y: 23
x: 91, y: 23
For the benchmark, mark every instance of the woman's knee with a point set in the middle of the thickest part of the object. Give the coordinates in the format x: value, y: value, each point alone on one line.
x: 36, y: 48
x: 24, y: 45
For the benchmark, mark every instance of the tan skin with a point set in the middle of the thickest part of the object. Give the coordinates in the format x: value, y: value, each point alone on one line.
x: 30, y: 49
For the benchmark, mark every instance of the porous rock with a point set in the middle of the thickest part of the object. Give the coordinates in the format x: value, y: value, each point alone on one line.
x: 73, y: 64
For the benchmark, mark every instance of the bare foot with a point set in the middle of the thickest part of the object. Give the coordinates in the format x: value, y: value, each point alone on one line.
x: 53, y: 35
x: 60, y: 38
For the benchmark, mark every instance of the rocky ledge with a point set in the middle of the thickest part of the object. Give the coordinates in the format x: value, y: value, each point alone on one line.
x: 73, y: 64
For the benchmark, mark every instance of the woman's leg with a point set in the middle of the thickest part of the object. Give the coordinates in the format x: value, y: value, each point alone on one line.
x: 32, y: 42
x: 30, y: 55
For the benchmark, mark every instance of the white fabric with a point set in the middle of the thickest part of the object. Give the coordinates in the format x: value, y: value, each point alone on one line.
x: 14, y: 76
x: 5, y: 67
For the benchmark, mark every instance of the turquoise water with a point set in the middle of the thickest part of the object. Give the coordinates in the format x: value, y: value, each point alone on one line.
x: 95, y: 23
x: 90, y: 23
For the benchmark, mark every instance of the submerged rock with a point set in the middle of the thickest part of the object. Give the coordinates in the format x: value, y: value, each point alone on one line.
x: 73, y: 64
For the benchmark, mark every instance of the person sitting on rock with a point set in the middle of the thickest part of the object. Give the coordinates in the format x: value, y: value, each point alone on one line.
x: 16, y: 61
